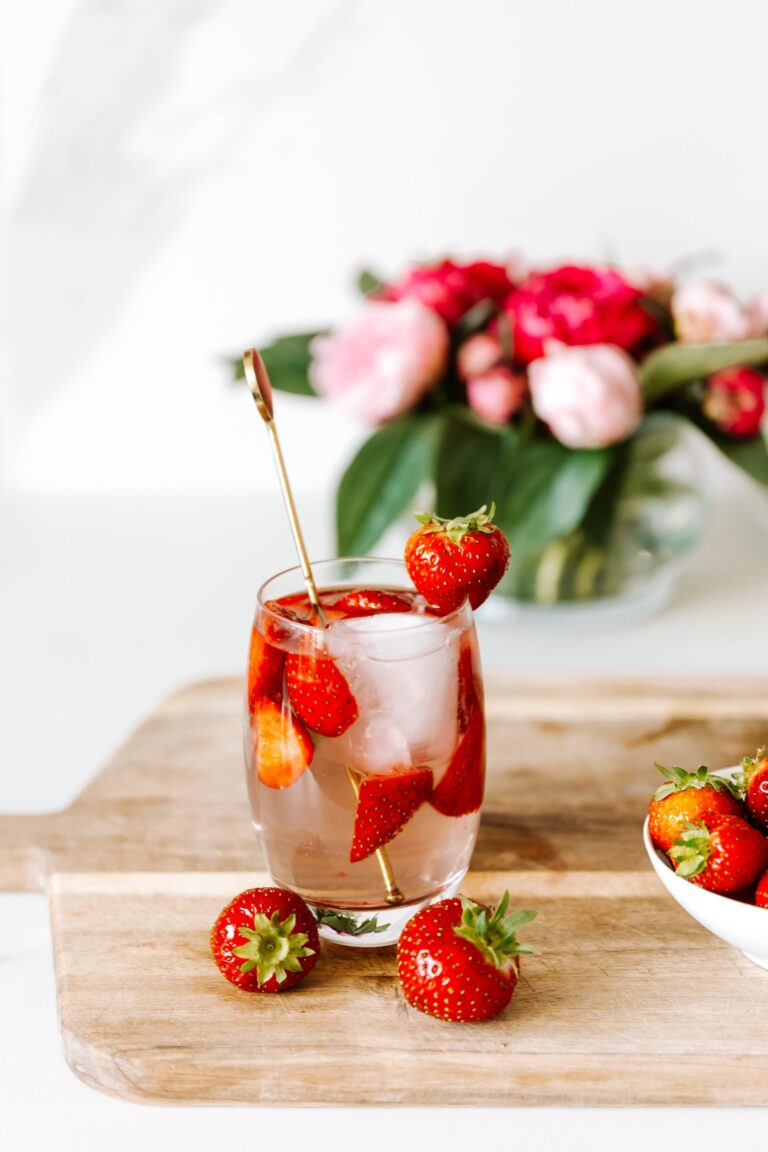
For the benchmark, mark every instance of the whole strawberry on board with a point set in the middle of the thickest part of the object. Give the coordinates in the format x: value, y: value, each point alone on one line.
x: 265, y: 940
x: 458, y: 960
x: 450, y: 560
x: 689, y: 796
x: 753, y: 779
x: 725, y: 856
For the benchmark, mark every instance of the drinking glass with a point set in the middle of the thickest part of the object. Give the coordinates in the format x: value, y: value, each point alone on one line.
x: 364, y: 745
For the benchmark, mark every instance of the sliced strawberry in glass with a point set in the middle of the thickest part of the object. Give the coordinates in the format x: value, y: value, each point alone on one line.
x: 320, y: 694
x: 470, y: 688
x: 385, y: 804
x: 460, y: 791
x: 371, y: 602
x: 282, y: 747
x: 265, y: 669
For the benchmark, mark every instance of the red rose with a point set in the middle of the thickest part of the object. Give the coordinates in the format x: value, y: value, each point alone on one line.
x: 576, y: 305
x: 452, y: 289
x: 735, y: 401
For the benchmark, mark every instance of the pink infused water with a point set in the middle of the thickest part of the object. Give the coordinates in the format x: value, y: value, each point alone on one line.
x: 365, y: 747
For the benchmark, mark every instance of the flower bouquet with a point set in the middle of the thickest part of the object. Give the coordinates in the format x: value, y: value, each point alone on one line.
x: 564, y: 394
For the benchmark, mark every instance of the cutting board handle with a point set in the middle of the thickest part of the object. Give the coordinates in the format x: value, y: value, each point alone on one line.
x: 23, y: 852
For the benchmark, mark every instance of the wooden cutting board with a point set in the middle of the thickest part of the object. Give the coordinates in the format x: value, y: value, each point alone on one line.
x: 628, y: 1001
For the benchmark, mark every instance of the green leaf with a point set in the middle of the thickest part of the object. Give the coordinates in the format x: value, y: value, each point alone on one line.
x: 287, y: 361
x: 677, y: 364
x: 368, y: 282
x: 381, y: 480
x: 475, y: 319
x: 470, y: 466
x: 348, y: 925
x: 549, y: 490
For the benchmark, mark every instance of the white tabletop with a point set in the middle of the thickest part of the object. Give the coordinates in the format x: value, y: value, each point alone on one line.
x: 105, y: 606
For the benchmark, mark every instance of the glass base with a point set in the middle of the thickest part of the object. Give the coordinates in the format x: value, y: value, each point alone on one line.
x: 375, y: 927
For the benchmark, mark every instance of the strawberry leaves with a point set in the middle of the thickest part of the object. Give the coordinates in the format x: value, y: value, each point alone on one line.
x: 678, y: 779
x: 494, y: 934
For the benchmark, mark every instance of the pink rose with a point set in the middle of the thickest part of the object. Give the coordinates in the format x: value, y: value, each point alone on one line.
x: 478, y: 354
x: 707, y: 312
x: 383, y: 362
x: 497, y: 394
x: 452, y: 289
x: 576, y: 305
x: 590, y: 397
x: 735, y: 401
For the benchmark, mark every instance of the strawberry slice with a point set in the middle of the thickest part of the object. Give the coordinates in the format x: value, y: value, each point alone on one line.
x: 461, y: 789
x: 370, y: 602
x: 265, y: 669
x: 319, y: 693
x: 282, y: 747
x: 470, y: 689
x: 385, y: 804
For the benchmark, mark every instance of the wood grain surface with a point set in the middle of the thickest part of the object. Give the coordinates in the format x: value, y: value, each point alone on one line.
x: 628, y: 1001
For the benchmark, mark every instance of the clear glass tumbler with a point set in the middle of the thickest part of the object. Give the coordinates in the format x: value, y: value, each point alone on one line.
x: 364, y: 746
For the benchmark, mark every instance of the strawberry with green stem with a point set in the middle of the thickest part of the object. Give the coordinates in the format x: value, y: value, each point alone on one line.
x: 459, y: 960
x: 753, y: 780
x: 265, y: 940
x: 452, y: 560
x: 724, y: 855
x: 689, y: 796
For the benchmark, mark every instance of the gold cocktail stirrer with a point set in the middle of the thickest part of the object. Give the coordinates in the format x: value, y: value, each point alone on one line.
x: 258, y: 381
x: 261, y: 390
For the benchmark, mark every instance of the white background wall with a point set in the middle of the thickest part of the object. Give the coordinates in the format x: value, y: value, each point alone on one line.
x: 183, y: 177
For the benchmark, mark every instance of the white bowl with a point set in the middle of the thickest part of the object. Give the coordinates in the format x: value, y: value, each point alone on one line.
x: 743, y: 925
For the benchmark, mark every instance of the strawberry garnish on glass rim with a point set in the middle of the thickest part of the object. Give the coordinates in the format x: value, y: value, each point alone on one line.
x: 453, y: 560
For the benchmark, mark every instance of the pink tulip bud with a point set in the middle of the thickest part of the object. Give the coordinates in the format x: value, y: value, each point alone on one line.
x: 497, y: 394
x: 477, y: 354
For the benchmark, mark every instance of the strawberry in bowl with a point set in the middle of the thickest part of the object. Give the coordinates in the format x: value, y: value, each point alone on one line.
x: 715, y: 866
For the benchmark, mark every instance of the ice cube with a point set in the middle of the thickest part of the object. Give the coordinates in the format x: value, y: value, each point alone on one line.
x: 372, y: 744
x: 402, y: 669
